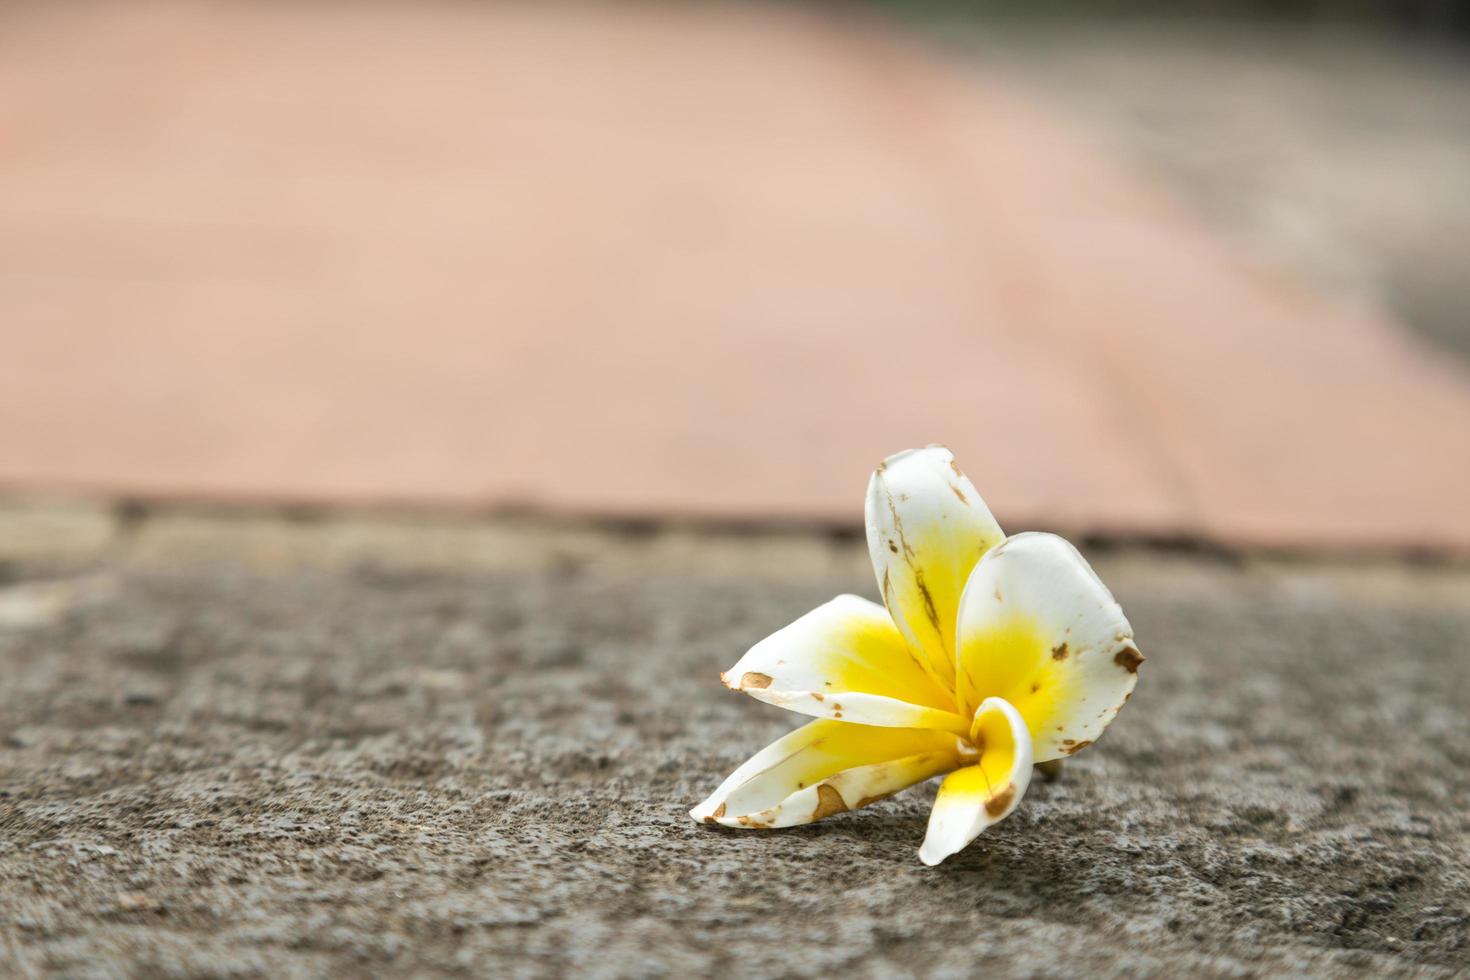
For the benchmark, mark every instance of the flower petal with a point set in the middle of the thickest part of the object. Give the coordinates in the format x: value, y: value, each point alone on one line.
x: 847, y: 660
x: 826, y: 767
x: 927, y: 527
x: 973, y: 798
x: 1038, y: 628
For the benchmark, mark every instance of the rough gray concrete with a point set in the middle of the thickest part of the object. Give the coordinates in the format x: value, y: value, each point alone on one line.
x: 259, y: 747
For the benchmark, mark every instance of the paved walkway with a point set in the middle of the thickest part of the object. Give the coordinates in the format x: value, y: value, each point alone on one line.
x: 636, y: 259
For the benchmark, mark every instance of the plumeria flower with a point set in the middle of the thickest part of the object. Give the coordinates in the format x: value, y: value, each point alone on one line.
x: 993, y: 654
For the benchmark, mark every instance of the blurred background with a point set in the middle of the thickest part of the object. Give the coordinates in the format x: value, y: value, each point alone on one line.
x: 1174, y: 272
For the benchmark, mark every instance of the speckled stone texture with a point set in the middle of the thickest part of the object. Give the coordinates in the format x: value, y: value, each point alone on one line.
x: 304, y: 749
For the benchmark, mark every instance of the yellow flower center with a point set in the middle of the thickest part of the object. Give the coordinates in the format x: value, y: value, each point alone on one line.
x: 1017, y: 662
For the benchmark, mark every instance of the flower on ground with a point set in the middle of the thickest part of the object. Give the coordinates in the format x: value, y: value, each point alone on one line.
x: 993, y: 654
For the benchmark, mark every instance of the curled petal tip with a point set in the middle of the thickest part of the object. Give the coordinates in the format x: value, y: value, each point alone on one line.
x: 976, y: 796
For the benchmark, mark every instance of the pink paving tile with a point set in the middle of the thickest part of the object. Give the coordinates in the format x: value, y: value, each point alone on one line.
x: 637, y: 259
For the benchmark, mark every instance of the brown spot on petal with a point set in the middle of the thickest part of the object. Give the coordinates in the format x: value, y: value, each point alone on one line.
x: 819, y: 695
x: 1059, y: 652
x: 997, y: 804
x: 752, y: 678
x: 960, y: 494
x: 956, y: 467
x: 1129, y: 659
x: 1074, y: 749
x: 829, y: 801
x: 714, y: 817
x: 929, y: 610
x: 871, y: 799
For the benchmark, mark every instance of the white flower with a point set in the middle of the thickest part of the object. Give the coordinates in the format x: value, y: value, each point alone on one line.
x: 993, y: 654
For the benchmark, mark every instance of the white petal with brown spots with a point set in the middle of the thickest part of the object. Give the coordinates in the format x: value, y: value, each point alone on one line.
x: 1038, y: 628
x: 846, y: 660
x: 976, y: 796
x: 927, y: 527
x: 824, y: 768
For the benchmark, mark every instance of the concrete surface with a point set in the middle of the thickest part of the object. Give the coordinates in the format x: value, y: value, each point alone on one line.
x: 240, y: 745
x: 651, y: 259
